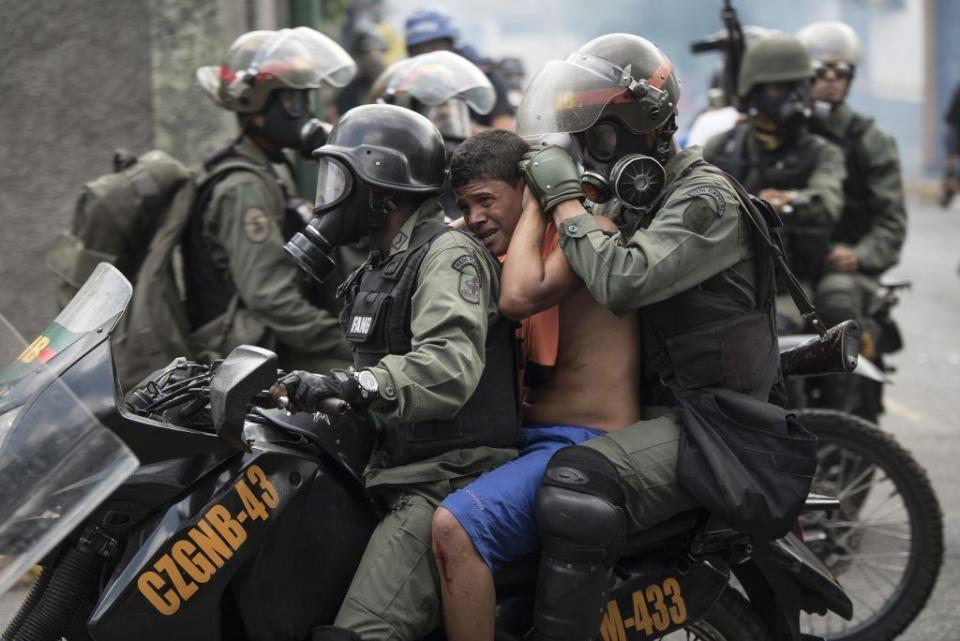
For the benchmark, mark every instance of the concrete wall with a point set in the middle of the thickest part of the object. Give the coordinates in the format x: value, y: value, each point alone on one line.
x: 76, y: 83
x: 81, y: 79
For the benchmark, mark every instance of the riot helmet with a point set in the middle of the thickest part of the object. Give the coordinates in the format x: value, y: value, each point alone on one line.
x: 774, y: 85
x: 617, y: 96
x: 833, y: 46
x: 373, y: 153
x: 260, y: 62
x: 271, y: 75
x: 440, y: 85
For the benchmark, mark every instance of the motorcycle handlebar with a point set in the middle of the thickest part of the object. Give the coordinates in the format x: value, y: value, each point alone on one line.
x: 330, y: 406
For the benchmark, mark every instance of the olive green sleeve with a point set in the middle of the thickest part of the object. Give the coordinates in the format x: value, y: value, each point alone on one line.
x: 247, y: 225
x: 453, y: 303
x: 697, y: 234
x: 821, y: 201
x: 880, y: 248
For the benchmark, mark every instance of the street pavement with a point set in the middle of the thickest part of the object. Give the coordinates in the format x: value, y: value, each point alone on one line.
x: 923, y: 403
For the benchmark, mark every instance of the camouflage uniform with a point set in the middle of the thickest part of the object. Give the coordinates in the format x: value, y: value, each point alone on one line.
x: 395, y: 592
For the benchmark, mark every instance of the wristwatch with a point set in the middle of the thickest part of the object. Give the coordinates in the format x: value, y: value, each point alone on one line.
x: 369, y: 388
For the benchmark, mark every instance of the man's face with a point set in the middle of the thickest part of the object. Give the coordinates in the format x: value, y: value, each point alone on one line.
x: 491, y: 209
x: 832, y: 82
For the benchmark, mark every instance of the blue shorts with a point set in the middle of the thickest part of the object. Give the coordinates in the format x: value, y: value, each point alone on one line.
x: 496, y: 510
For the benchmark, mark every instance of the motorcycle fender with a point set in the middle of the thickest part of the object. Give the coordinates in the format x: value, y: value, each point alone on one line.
x: 173, y: 586
x: 661, y: 598
x: 792, y: 556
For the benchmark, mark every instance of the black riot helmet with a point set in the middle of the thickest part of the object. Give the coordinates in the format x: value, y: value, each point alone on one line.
x: 372, y: 154
x: 385, y: 147
x: 617, y: 96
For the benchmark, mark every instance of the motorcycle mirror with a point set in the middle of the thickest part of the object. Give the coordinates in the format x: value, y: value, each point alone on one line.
x: 245, y: 372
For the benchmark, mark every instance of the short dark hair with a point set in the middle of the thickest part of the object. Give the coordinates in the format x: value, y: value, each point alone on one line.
x: 489, y: 155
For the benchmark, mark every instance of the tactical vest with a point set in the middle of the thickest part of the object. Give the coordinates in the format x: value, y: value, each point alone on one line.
x: 377, y: 309
x: 806, y: 245
x: 703, y: 337
x: 856, y: 220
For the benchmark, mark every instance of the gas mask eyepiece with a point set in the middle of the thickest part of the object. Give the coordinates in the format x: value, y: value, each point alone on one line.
x: 334, y: 223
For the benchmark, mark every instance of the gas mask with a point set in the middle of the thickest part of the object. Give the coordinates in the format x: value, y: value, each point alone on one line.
x: 288, y: 122
x: 346, y: 211
x: 624, y: 165
x: 783, y: 106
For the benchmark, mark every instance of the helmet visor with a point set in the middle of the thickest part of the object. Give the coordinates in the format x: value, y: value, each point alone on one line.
x: 303, y: 58
x: 567, y: 96
x: 436, y: 77
x: 452, y: 118
x: 334, y: 182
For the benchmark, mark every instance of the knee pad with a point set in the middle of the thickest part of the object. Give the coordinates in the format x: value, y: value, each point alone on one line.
x: 579, y: 507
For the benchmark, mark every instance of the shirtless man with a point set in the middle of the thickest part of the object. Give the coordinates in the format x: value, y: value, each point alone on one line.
x: 592, y: 389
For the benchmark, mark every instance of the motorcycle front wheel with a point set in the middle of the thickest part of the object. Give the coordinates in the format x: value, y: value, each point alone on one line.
x: 885, y: 544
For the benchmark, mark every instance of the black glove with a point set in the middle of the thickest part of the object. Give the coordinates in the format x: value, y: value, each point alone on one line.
x: 305, y: 391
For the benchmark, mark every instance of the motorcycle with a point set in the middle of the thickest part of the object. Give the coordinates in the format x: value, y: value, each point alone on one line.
x: 885, y: 543
x: 190, y: 509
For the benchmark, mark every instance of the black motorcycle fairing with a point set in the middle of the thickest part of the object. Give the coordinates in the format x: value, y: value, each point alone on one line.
x: 347, y: 438
x: 153, y: 486
x: 173, y: 585
x: 300, y: 575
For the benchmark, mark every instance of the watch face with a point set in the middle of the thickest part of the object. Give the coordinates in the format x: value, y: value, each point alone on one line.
x: 367, y: 380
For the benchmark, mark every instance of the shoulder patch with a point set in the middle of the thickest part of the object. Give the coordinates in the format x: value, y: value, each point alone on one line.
x: 470, y: 287
x: 463, y: 262
x: 699, y: 216
x: 398, y: 241
x: 711, y: 194
x: 256, y: 224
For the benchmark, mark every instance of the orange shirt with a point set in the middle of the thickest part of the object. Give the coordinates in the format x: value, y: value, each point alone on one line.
x: 540, y: 333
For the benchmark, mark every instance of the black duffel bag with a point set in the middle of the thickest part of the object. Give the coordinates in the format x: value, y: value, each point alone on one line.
x: 749, y: 462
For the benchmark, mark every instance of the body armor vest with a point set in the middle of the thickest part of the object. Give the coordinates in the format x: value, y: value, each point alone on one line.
x: 704, y: 337
x: 786, y: 168
x: 376, y: 318
x: 856, y: 220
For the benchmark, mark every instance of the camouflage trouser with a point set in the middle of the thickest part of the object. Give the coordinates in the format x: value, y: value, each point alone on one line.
x: 645, y: 456
x: 395, y: 593
x: 839, y: 297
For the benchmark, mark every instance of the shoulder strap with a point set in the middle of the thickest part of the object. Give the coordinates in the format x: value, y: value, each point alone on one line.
x: 762, y: 224
x: 219, y: 171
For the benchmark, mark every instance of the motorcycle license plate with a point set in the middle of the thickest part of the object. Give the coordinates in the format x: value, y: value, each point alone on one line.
x: 661, y: 600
